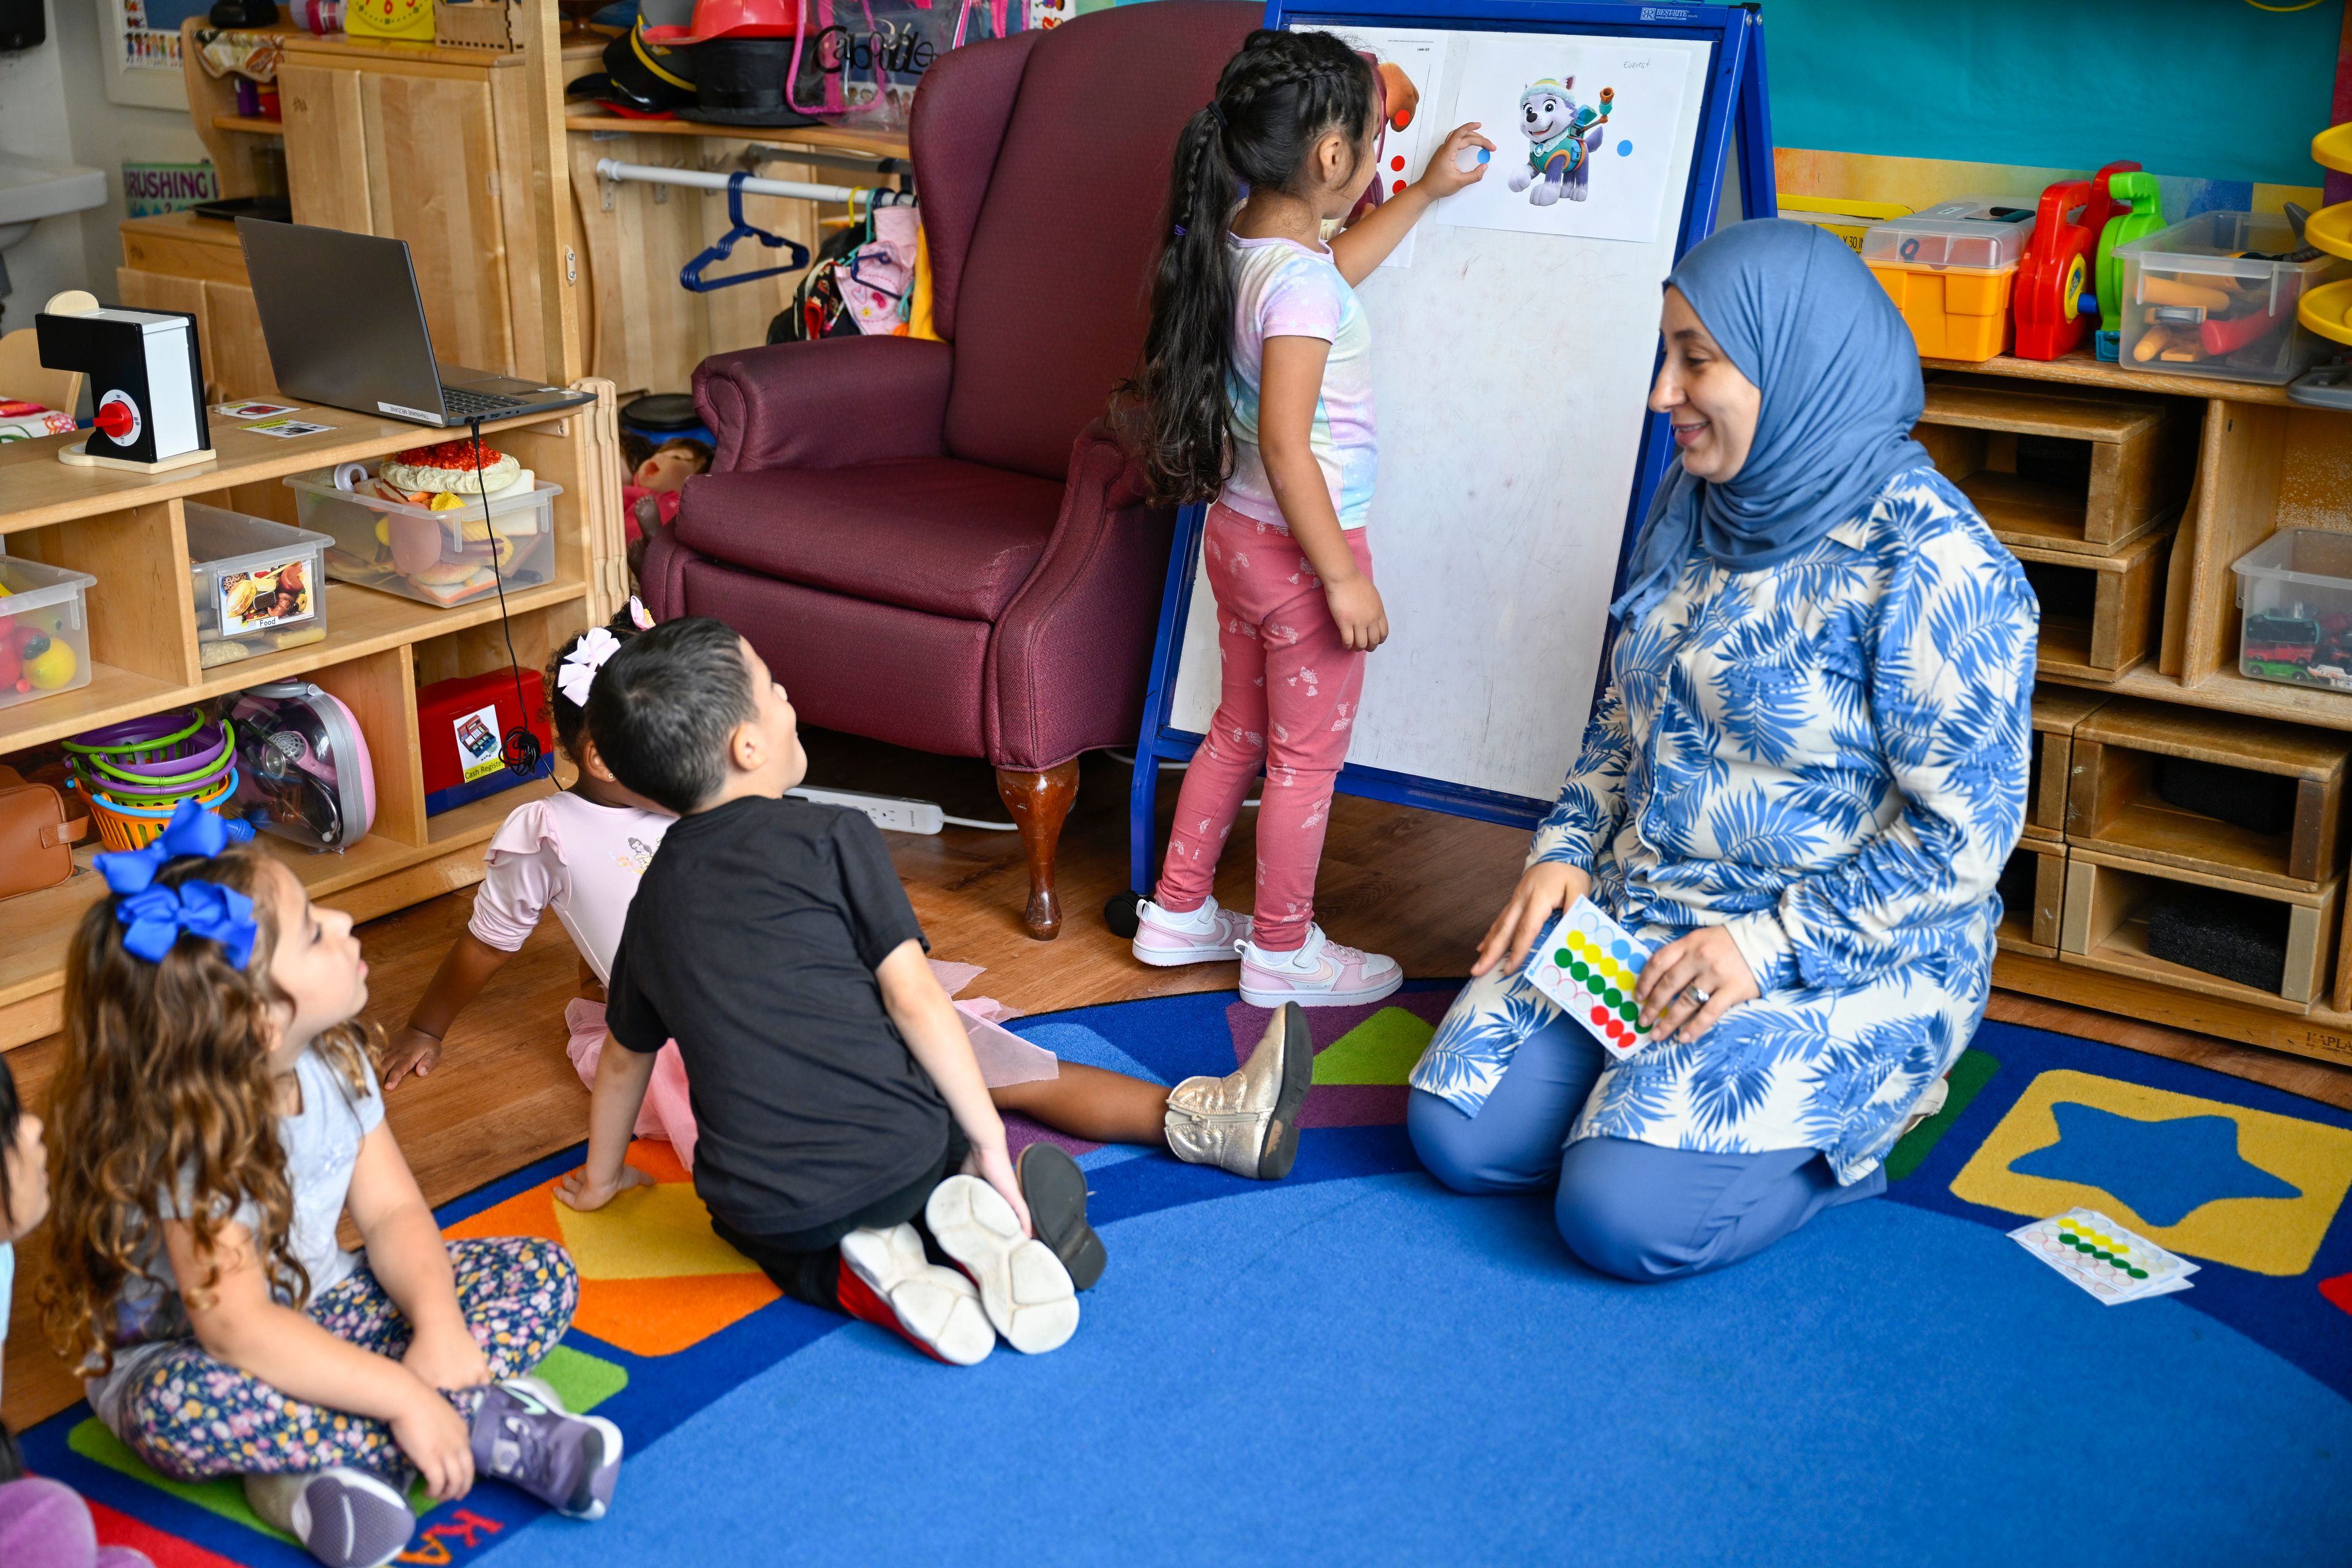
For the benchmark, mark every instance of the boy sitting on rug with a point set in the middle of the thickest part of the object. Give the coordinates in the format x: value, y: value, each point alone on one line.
x: 845, y: 1138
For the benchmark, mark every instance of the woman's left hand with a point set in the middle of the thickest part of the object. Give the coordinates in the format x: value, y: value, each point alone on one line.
x: 1708, y: 959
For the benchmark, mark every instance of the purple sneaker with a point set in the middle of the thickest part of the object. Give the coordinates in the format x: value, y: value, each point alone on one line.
x: 1321, y: 973
x: 524, y: 1436
x: 1206, y: 935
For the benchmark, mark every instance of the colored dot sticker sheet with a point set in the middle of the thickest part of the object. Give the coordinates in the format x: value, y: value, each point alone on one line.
x: 1588, y: 964
x: 2103, y: 1257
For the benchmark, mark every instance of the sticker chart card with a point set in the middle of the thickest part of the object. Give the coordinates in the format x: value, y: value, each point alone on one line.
x: 2103, y: 1257
x: 1588, y: 964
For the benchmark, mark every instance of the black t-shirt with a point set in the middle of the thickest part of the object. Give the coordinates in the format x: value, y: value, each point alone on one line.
x: 752, y: 941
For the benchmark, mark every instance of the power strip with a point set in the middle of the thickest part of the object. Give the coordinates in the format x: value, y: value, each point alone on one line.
x: 888, y: 812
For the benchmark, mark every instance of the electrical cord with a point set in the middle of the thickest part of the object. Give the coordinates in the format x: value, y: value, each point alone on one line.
x: 972, y: 822
x: 520, y: 750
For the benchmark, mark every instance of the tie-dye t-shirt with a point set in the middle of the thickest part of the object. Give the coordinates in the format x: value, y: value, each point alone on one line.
x: 1282, y: 290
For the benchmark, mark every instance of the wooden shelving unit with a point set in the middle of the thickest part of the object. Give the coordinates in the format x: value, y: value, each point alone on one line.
x: 129, y: 531
x: 2261, y: 463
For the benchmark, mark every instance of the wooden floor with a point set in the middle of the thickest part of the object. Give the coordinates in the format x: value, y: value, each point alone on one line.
x: 1419, y: 887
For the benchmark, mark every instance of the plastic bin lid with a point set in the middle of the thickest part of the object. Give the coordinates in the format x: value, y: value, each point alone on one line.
x: 32, y: 584
x: 2312, y: 557
x: 1983, y: 233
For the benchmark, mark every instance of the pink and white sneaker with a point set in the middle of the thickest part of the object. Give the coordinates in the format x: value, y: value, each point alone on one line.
x: 1321, y: 973
x: 1205, y: 935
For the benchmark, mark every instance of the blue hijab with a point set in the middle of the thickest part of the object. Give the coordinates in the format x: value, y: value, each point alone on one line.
x: 1802, y: 317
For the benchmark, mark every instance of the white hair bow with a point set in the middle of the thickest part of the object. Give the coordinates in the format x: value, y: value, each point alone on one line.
x: 578, y: 672
x: 640, y: 616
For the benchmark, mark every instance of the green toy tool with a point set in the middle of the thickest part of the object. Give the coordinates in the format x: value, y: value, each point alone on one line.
x: 2145, y: 217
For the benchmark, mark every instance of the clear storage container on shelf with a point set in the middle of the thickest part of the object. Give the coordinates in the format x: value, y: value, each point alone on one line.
x: 259, y: 586
x: 44, y: 630
x: 2295, y: 589
x: 437, y: 557
x: 2216, y: 296
x: 1950, y: 269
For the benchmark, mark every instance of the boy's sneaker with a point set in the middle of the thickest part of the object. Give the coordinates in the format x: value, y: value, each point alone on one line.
x: 1321, y: 973
x: 1205, y: 935
x: 1023, y: 1286
x: 887, y: 1280
x: 1247, y: 1121
x: 1055, y: 1191
x: 524, y: 1436
x: 345, y: 1517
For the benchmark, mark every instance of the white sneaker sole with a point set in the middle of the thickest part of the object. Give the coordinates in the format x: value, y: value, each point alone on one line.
x: 544, y: 1391
x: 1176, y: 958
x: 1023, y: 1288
x: 1257, y: 997
x: 936, y: 1306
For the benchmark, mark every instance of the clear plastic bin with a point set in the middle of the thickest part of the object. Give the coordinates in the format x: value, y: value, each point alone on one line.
x: 1951, y: 268
x: 2201, y: 298
x: 44, y: 630
x: 437, y: 557
x: 258, y: 585
x: 2295, y: 588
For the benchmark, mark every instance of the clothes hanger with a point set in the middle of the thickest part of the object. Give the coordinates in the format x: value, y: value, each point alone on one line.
x: 690, y: 275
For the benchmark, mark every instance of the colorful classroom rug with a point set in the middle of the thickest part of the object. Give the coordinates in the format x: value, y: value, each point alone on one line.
x: 1357, y: 1366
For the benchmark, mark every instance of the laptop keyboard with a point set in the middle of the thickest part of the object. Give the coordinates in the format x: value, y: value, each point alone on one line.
x: 457, y: 402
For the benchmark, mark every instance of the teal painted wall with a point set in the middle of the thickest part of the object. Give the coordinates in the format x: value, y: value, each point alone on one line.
x: 2213, y: 89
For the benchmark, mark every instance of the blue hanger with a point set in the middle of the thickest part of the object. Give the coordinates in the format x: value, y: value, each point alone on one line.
x: 690, y: 275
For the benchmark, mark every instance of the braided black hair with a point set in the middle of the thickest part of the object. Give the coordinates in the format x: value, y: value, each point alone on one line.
x: 1276, y: 100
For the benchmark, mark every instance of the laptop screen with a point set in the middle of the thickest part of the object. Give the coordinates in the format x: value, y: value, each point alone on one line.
x: 342, y: 318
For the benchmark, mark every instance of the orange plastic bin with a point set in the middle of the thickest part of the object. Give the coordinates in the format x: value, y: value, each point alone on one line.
x: 1949, y: 269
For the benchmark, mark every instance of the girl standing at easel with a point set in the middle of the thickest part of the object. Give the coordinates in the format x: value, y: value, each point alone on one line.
x: 1256, y: 394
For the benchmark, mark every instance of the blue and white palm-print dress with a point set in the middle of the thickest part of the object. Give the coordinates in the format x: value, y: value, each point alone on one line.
x: 1828, y: 758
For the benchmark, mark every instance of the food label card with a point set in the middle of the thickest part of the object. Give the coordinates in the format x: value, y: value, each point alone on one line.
x: 1588, y: 964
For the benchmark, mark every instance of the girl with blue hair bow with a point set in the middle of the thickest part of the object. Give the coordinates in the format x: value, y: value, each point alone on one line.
x: 214, y: 1115
x: 1803, y: 780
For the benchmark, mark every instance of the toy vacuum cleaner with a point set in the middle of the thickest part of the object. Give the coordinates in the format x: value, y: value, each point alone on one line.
x: 2054, y: 275
x: 304, y: 765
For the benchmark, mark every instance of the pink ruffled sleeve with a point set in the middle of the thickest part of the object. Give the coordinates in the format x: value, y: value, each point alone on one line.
x: 526, y: 874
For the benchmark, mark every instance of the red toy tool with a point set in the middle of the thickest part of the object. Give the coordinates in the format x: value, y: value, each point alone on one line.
x: 2054, y: 273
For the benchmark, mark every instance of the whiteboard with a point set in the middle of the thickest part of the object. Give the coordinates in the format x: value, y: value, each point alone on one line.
x: 1510, y: 372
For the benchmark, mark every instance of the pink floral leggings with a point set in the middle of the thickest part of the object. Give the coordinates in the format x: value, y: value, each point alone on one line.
x: 192, y: 1417
x: 1289, y: 702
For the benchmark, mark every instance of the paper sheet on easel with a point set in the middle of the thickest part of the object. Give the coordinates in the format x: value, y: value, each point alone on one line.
x: 1408, y: 58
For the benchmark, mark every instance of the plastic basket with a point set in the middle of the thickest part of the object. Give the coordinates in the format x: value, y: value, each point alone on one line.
x: 205, y: 753
x: 164, y: 796
x: 126, y: 827
x: 149, y: 738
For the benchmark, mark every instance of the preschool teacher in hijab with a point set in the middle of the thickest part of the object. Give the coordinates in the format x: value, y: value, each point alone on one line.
x: 1804, y: 779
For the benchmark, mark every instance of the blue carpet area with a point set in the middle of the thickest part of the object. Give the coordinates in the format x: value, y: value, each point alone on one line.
x: 1354, y: 1365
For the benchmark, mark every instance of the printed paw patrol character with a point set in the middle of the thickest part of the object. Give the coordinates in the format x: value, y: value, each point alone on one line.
x: 1562, y: 136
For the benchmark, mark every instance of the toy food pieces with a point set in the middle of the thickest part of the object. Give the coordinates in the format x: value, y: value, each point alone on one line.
x: 2054, y: 273
x: 449, y: 468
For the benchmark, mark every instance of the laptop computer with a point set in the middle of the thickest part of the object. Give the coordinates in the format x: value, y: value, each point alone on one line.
x: 345, y: 326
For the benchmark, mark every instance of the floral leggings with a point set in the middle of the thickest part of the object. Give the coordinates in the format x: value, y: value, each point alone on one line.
x: 192, y: 1417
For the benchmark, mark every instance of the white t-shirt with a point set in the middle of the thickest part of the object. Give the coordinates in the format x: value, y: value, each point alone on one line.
x: 322, y: 1145
x: 1282, y: 290
x: 567, y: 855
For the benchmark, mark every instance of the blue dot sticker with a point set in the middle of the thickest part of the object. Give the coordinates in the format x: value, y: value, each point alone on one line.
x: 1624, y: 149
x: 1621, y: 949
x: 1485, y: 156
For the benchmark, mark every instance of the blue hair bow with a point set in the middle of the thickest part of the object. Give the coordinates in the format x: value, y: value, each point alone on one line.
x: 156, y: 916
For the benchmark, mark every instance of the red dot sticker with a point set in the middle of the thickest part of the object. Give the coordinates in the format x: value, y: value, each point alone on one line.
x: 1600, y: 1016
x: 1397, y: 187
x: 1397, y: 163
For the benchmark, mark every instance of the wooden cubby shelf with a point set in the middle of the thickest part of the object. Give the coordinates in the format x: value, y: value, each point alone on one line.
x: 2099, y: 618
x: 2057, y: 710
x: 2106, y: 926
x: 2075, y: 472
x: 129, y: 531
x: 2033, y: 900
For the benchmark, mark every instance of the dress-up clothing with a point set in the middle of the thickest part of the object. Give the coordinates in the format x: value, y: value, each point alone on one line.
x: 1287, y: 701
x: 1635, y: 1210
x: 1828, y: 758
x: 192, y: 1417
x: 569, y: 856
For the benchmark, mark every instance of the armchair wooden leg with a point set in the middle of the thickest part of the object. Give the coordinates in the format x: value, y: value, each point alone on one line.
x: 1039, y: 802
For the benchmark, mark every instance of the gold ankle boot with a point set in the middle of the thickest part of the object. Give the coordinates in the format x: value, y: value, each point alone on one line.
x: 1247, y: 1121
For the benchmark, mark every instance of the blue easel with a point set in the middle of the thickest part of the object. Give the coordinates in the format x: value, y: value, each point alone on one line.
x: 1736, y: 113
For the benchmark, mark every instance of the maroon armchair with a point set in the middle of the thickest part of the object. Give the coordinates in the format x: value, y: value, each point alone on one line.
x: 935, y: 543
